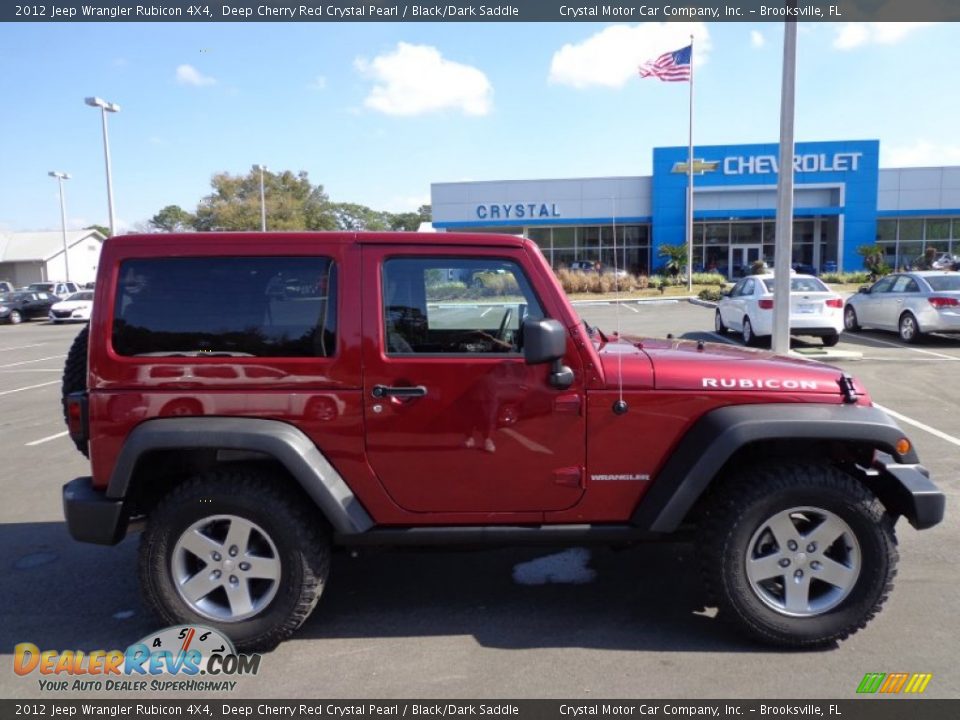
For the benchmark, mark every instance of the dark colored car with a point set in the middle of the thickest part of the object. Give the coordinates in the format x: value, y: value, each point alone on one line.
x: 16, y: 307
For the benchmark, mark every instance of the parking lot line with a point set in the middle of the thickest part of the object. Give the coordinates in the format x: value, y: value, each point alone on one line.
x: 907, y: 347
x: 29, y: 387
x: 27, y: 362
x: 48, y: 438
x: 21, y: 347
x: 917, y: 424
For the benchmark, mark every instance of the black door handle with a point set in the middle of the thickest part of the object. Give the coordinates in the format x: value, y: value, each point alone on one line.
x: 380, y: 391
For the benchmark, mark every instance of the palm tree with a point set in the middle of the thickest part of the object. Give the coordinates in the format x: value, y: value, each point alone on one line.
x: 676, y: 258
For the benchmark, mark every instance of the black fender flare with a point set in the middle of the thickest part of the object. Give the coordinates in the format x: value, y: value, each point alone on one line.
x: 713, y: 439
x: 282, y: 442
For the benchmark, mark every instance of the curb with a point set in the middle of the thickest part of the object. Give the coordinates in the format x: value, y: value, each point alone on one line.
x: 701, y: 303
x: 637, y: 301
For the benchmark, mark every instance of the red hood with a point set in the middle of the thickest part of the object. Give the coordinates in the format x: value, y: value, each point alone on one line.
x: 713, y: 367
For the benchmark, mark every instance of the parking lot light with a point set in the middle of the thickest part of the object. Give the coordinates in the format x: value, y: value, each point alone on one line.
x: 106, y: 107
x: 61, y: 176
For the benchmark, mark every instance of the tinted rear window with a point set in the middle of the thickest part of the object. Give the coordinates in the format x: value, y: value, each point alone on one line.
x: 944, y: 283
x: 263, y: 307
x: 800, y: 285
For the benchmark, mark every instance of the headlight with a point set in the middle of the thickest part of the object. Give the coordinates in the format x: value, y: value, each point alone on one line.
x: 4, y: 308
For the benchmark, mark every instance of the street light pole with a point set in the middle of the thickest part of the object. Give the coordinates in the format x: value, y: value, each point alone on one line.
x: 106, y: 107
x: 263, y: 204
x: 61, y: 176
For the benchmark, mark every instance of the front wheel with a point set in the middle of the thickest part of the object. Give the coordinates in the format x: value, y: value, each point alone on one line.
x: 15, y: 317
x: 718, y: 325
x: 233, y: 549
x: 850, y: 321
x: 798, y: 555
x: 830, y: 340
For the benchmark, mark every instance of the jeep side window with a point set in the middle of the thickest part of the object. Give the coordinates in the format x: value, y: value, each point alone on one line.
x: 455, y: 305
x: 236, y: 306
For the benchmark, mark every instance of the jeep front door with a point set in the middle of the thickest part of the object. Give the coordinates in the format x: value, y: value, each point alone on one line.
x: 456, y: 421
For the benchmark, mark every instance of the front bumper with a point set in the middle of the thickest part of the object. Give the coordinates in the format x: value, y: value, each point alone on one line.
x: 907, y: 490
x: 91, y: 516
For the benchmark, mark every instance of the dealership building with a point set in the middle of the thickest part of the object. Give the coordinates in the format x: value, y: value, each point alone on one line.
x: 842, y: 200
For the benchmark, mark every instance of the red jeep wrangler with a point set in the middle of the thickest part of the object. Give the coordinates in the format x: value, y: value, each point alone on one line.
x: 253, y: 401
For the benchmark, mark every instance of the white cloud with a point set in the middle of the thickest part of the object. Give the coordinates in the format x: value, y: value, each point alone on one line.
x: 854, y: 35
x: 189, y: 75
x: 417, y: 79
x: 318, y: 83
x: 920, y: 154
x: 757, y: 39
x: 611, y: 57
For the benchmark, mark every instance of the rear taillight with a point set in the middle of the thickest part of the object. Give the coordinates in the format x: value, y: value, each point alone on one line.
x: 943, y: 302
x: 835, y: 303
x: 77, y: 417
x: 765, y: 304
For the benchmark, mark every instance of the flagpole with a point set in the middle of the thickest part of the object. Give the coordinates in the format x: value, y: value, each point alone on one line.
x: 690, y: 182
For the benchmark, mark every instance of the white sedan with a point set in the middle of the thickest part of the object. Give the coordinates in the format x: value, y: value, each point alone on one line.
x: 748, y: 309
x: 76, y: 308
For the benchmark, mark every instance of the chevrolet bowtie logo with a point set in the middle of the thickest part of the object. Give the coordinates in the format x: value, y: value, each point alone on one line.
x: 699, y: 166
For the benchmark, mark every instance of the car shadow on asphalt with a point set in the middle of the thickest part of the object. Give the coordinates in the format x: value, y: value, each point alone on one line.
x: 60, y: 594
x: 641, y: 598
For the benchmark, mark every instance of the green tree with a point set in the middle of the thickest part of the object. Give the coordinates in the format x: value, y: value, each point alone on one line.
x: 105, y: 231
x: 353, y: 216
x: 292, y: 203
x: 873, y: 260
x: 405, y: 221
x: 426, y: 213
x: 676, y: 256
x: 173, y: 218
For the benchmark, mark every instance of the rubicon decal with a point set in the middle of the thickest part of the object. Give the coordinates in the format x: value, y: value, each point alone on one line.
x: 759, y: 384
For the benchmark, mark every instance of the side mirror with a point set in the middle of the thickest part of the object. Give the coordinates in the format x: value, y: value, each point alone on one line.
x: 864, y: 290
x: 726, y: 292
x: 545, y: 341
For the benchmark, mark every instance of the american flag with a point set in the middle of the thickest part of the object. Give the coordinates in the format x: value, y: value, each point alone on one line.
x: 670, y: 67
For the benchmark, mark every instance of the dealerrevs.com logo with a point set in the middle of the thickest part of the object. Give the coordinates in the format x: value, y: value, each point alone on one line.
x: 179, y: 658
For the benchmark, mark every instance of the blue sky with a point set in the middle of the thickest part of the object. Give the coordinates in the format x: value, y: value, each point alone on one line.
x: 376, y: 112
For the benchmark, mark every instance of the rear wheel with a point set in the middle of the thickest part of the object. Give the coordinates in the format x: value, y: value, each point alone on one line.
x: 798, y: 555
x: 747, y: 332
x: 234, y: 550
x: 850, y: 321
x: 909, y: 328
x: 830, y: 340
x: 718, y: 325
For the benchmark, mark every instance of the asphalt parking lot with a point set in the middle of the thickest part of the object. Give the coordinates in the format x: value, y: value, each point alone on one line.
x: 526, y: 623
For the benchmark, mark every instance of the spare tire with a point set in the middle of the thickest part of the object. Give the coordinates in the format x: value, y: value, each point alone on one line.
x: 75, y: 376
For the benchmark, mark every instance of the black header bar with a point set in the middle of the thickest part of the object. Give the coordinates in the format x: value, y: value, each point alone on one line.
x: 478, y: 11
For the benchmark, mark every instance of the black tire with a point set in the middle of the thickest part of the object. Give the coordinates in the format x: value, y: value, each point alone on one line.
x: 740, y: 509
x: 15, y: 317
x: 830, y: 340
x: 75, y: 376
x: 718, y: 325
x: 850, y: 321
x: 749, y: 338
x: 292, y: 525
x: 909, y: 329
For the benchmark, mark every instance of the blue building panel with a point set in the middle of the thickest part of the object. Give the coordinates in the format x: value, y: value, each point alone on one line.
x: 852, y: 166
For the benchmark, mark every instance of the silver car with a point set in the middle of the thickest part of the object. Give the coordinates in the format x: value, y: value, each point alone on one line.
x: 910, y: 303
